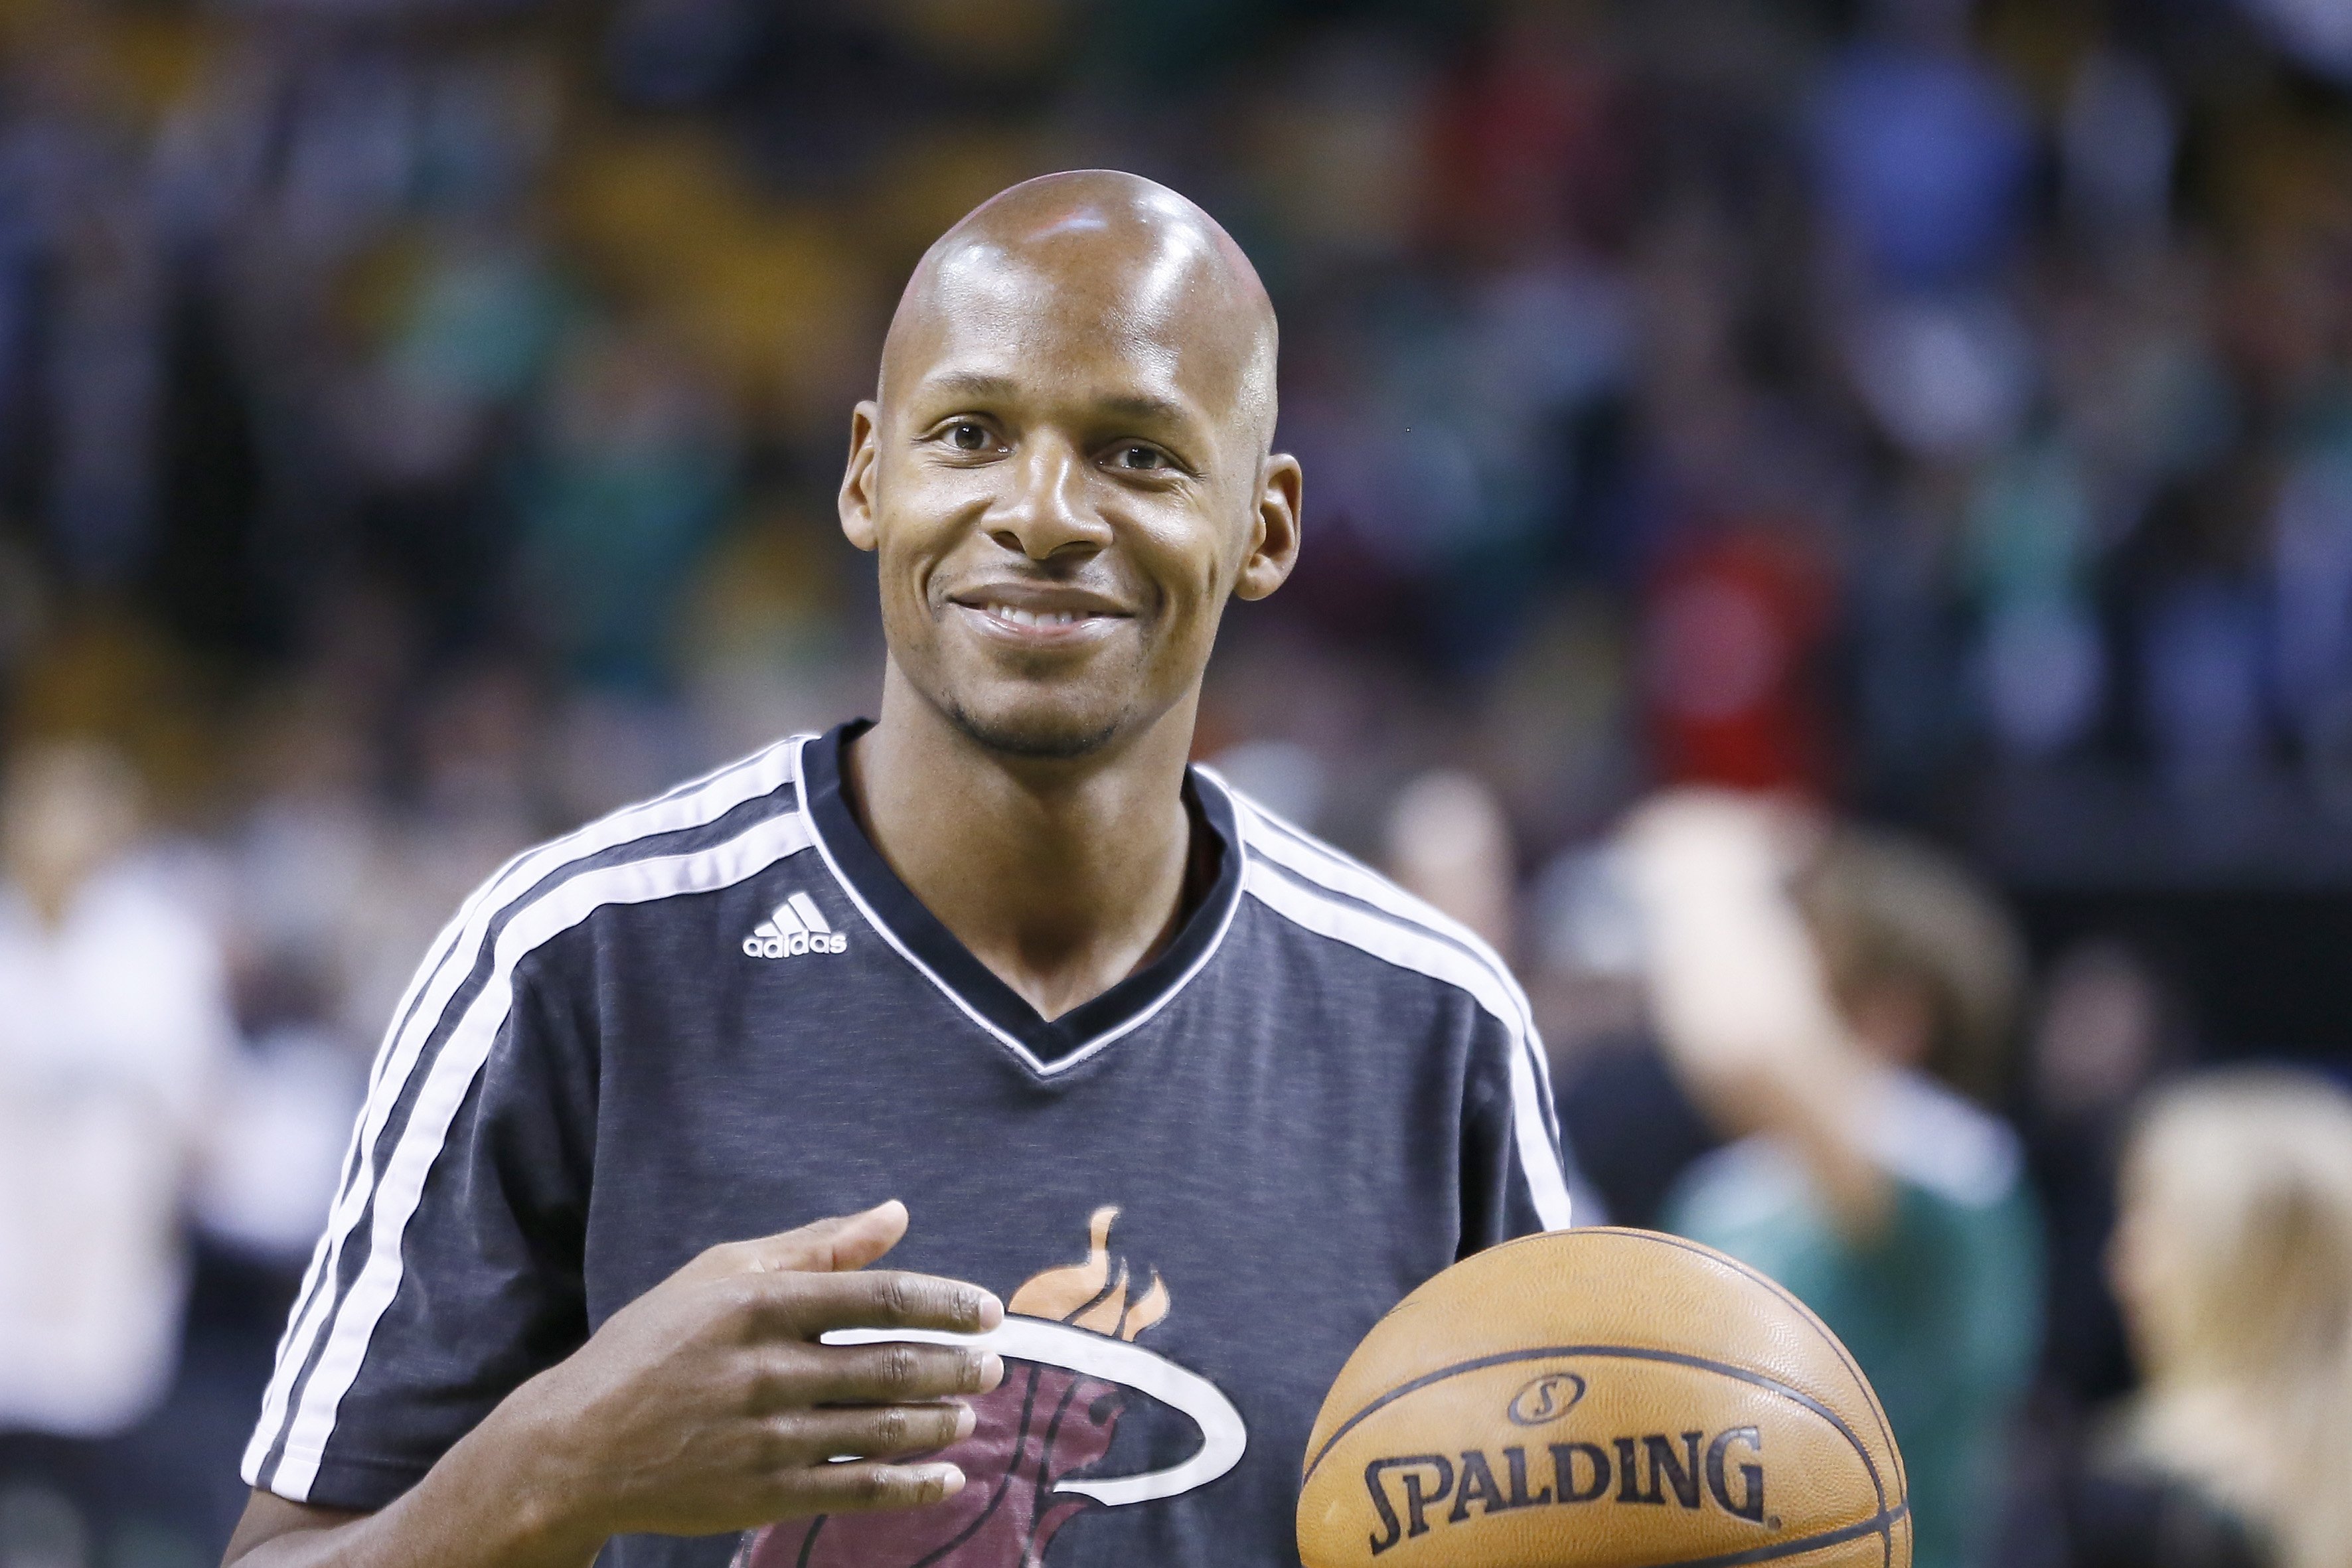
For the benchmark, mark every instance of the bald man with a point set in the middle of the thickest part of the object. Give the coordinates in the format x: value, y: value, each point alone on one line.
x: 1157, y: 1102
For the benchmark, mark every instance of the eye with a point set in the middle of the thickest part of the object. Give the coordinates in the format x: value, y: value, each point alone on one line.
x: 967, y: 437
x: 1137, y: 457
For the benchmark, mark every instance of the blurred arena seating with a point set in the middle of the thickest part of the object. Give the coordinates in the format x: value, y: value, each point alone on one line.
x: 419, y: 422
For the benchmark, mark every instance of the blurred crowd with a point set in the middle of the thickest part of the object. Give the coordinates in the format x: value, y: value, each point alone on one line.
x: 2104, y: 1296
x: 419, y: 421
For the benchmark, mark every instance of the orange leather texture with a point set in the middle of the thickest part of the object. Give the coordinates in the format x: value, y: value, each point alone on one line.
x: 1602, y: 1398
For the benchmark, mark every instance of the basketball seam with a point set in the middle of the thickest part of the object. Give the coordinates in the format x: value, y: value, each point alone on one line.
x: 1628, y: 1352
x: 1804, y: 1313
x: 1811, y: 1319
x: 1883, y: 1523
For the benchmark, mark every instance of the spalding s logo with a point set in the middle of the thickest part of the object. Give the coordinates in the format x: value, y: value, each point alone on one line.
x: 1546, y: 1399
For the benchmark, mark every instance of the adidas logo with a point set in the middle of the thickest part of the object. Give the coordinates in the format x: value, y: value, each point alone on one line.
x: 794, y: 929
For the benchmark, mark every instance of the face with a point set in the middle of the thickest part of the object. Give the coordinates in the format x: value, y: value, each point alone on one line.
x: 2148, y: 1272
x: 66, y: 813
x: 1065, y: 480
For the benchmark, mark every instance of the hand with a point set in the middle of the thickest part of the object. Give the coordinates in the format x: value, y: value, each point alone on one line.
x: 1735, y: 982
x: 708, y: 1405
x: 1739, y: 995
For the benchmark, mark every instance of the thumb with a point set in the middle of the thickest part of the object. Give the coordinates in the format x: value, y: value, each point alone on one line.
x: 830, y: 1246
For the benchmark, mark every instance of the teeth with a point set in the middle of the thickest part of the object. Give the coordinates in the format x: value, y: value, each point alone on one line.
x: 1022, y: 617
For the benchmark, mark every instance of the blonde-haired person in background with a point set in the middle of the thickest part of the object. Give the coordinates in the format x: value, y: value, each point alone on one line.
x: 2233, y: 1261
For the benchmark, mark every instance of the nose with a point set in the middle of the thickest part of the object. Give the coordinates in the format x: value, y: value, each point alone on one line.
x: 1046, y: 512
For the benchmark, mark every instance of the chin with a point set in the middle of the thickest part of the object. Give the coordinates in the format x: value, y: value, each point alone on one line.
x: 1040, y: 731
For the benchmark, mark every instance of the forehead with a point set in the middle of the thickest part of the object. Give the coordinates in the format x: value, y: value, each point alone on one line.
x: 1077, y: 313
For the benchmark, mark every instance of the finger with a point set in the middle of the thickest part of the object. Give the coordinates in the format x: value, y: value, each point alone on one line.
x: 865, y: 1487
x: 879, y: 1374
x: 807, y: 1305
x: 874, y: 1431
x: 827, y: 1246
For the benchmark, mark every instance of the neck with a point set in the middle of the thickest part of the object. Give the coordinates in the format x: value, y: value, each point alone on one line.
x: 1064, y: 877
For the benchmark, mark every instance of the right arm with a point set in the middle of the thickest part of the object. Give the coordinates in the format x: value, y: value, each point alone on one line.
x: 1742, y: 1009
x: 708, y: 1405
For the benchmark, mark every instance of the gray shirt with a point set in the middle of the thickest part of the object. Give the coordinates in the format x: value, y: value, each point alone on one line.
x: 719, y: 1015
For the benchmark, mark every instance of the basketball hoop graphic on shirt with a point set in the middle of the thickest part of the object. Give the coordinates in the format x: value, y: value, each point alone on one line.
x: 1071, y: 1363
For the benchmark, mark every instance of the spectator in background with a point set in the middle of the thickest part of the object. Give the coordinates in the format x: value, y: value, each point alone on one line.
x: 113, y: 1020
x: 1620, y: 1107
x: 631, y: 476
x: 2105, y: 1029
x: 1840, y: 1001
x: 2233, y: 1260
x: 1450, y: 843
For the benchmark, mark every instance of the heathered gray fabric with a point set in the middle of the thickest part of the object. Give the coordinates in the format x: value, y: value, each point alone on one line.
x: 1297, y: 1132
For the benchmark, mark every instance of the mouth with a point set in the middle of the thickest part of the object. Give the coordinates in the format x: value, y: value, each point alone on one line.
x: 1038, y: 616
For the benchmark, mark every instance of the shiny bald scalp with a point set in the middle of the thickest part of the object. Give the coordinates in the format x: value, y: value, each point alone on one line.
x: 1129, y: 252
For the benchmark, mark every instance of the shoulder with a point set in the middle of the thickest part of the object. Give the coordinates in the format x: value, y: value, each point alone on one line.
x: 508, y: 937
x: 1750, y: 1185
x: 1315, y: 887
x: 1941, y: 1144
x: 706, y: 834
x: 1947, y: 1151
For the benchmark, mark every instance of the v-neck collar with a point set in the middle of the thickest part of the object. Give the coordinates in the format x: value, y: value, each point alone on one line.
x: 1045, y: 1046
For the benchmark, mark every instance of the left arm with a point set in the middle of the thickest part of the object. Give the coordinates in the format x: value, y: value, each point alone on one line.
x: 1515, y: 1177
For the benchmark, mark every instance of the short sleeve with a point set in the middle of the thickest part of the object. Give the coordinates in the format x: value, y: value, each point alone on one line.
x: 450, y: 1270
x: 1514, y: 1175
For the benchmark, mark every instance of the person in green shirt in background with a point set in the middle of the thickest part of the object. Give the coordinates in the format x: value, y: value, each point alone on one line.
x: 1839, y: 1003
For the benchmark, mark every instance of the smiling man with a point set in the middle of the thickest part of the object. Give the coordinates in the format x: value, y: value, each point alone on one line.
x: 1181, y: 1099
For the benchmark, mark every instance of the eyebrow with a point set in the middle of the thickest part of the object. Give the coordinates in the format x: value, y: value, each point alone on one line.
x: 970, y: 383
x: 1145, y: 408
x: 983, y: 388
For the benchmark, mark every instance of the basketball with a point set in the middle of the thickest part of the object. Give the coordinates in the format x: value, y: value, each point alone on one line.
x: 1602, y: 1398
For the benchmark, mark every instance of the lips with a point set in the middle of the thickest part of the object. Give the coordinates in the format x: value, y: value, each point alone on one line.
x: 1016, y: 615
x: 1035, y: 615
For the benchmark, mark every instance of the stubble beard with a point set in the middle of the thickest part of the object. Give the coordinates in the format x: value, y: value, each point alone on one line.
x: 1039, y: 724
x: 1038, y: 739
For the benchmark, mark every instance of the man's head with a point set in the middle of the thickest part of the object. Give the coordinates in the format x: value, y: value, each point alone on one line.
x: 1065, y: 471
x: 67, y: 808
x: 1920, y: 957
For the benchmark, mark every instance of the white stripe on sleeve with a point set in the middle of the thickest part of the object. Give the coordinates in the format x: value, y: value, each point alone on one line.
x: 1410, y: 948
x: 1297, y: 852
x: 451, y: 1076
x: 420, y: 1012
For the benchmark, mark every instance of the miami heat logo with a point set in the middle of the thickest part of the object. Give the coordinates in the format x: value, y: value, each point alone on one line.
x: 1071, y: 1363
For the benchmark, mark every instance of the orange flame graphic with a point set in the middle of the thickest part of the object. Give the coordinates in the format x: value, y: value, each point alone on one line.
x: 1085, y: 1295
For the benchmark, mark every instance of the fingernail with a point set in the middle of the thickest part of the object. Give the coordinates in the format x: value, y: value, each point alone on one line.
x: 991, y: 1369
x: 949, y: 1479
x: 966, y: 1419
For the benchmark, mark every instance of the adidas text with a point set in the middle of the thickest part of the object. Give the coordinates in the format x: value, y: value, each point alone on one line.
x: 798, y: 944
x: 797, y: 929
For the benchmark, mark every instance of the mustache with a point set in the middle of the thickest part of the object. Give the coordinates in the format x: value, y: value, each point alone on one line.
x: 1085, y: 586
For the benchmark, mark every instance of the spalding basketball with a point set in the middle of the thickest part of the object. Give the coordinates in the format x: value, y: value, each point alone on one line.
x: 1602, y: 1398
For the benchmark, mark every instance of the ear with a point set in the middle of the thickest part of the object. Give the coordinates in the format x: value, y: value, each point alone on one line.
x: 857, y: 497
x: 1274, y: 533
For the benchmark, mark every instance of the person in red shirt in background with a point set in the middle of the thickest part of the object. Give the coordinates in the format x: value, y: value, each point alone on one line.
x: 1735, y: 622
